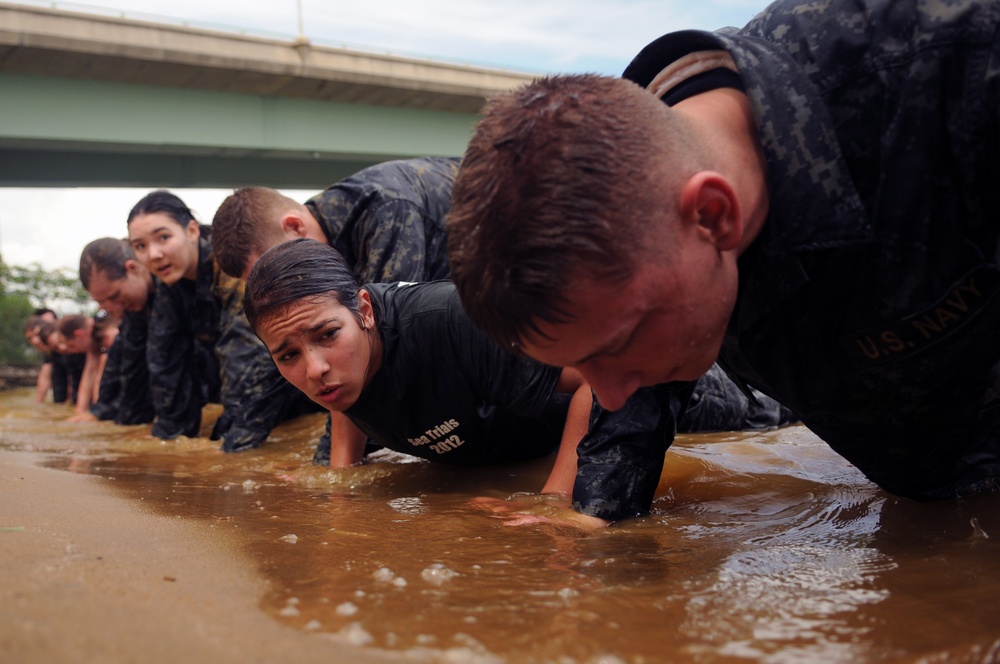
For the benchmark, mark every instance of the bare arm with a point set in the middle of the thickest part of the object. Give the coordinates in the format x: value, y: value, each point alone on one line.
x: 88, y: 382
x: 44, y: 382
x: 347, y: 442
x: 563, y: 473
x: 560, y: 481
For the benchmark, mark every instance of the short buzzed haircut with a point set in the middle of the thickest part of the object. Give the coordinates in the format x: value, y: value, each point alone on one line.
x: 558, y: 182
x: 245, y: 223
x: 107, y: 255
x: 70, y: 324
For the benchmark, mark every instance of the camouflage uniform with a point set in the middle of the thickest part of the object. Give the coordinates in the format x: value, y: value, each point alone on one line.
x: 209, y: 313
x: 124, y: 395
x: 387, y: 220
x: 868, y: 304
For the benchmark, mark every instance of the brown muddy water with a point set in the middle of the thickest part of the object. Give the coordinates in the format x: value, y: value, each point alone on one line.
x: 762, y: 547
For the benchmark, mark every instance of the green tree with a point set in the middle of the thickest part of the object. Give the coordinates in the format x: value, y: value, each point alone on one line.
x: 14, y: 350
x: 58, y: 289
x: 24, y: 289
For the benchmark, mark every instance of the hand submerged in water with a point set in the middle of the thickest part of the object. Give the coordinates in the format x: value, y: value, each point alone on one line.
x: 82, y: 417
x: 530, y: 509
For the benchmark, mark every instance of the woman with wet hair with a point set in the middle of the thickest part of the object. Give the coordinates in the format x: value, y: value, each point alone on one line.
x: 401, y: 363
x: 199, y: 346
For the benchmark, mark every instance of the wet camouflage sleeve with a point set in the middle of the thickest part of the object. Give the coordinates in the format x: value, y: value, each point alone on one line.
x: 393, y: 240
x: 621, y: 457
x: 718, y: 404
x: 322, y: 454
x: 136, y: 403
x: 255, y: 397
x: 388, y: 220
x: 170, y: 357
x: 109, y: 393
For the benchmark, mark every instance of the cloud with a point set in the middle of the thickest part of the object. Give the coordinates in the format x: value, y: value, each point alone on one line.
x: 52, y: 226
x: 549, y: 36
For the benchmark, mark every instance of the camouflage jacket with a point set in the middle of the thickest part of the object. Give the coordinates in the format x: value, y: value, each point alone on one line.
x: 208, y: 313
x: 124, y: 395
x: 868, y: 304
x: 387, y: 220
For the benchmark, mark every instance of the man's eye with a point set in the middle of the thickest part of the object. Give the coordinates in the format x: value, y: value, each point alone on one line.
x: 621, y: 349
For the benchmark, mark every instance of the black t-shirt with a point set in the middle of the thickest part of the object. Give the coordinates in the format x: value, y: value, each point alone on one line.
x: 445, y: 392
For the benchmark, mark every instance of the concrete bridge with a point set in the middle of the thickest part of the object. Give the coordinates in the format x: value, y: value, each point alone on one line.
x: 89, y: 100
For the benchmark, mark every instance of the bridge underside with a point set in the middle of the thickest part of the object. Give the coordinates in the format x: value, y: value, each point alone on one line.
x: 106, y: 101
x: 103, y: 166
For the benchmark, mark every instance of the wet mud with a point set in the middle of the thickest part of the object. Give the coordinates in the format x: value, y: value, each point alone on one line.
x: 763, y: 547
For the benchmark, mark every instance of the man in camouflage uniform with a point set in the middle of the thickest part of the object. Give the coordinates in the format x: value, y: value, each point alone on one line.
x: 814, y: 204
x: 124, y: 289
x: 192, y: 316
x: 387, y: 221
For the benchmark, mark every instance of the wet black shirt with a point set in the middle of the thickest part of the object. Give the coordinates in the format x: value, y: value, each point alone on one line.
x: 445, y: 392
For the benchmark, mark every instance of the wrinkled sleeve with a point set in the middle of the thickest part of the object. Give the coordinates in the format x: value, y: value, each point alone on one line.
x: 391, y: 243
x: 718, y: 404
x: 255, y: 397
x: 136, y: 404
x: 173, y: 376
x: 109, y: 392
x: 621, y: 456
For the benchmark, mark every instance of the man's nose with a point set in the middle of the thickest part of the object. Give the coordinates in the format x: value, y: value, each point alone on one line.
x: 611, y: 388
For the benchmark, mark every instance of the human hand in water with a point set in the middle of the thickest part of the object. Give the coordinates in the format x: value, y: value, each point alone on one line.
x: 528, y: 509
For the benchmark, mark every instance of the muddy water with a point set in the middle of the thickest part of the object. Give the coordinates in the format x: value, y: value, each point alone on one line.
x: 761, y: 547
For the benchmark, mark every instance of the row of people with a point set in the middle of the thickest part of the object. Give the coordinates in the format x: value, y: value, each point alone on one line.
x: 61, y: 371
x: 806, y: 200
x: 177, y: 287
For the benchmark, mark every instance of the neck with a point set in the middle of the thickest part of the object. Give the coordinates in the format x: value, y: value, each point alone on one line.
x: 374, y: 353
x: 724, y: 119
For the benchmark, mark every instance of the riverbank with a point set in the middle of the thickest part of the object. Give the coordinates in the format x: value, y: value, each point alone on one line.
x: 93, y: 577
x: 14, y: 377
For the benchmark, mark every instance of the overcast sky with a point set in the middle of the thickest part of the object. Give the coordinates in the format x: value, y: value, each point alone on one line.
x: 543, y: 36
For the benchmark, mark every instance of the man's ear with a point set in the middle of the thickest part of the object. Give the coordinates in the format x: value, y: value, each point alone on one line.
x: 708, y: 200
x: 293, y: 226
x: 131, y: 266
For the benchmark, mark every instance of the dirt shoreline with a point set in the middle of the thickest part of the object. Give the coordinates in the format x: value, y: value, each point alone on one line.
x: 89, y: 576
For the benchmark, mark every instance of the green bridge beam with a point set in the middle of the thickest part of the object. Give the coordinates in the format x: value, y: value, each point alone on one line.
x: 107, y: 101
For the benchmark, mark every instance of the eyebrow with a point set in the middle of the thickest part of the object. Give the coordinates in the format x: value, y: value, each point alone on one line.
x: 284, y: 343
x: 156, y: 230
x: 618, y: 342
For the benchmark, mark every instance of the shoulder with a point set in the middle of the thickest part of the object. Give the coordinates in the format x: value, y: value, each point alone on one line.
x: 405, y: 299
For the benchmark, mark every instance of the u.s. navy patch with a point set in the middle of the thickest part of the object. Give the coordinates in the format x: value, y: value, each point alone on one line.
x: 957, y: 307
